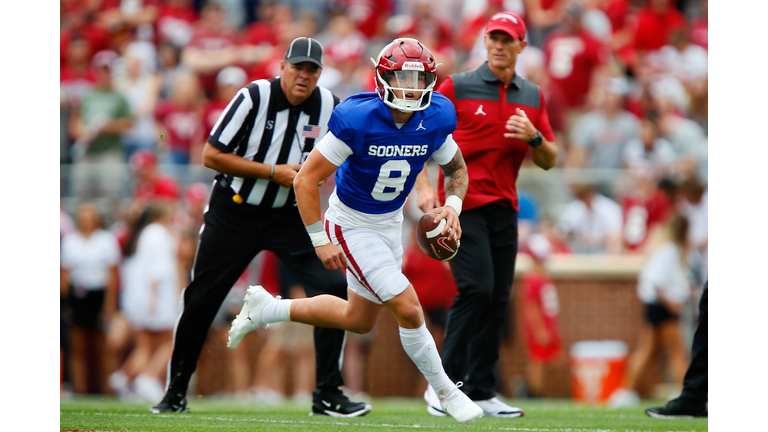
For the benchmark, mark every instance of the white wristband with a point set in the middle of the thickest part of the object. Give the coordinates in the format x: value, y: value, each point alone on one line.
x: 455, y: 202
x: 317, y: 234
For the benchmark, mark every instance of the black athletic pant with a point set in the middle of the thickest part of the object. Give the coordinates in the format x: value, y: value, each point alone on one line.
x: 483, y: 270
x: 696, y: 384
x: 232, y: 236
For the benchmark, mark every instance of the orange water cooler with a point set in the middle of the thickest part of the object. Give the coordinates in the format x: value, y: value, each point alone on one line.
x: 598, y: 368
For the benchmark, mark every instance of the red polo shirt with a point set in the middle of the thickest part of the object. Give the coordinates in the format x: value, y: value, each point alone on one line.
x: 483, y: 105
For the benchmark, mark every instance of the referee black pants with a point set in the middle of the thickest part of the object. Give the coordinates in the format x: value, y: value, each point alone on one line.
x: 483, y: 270
x: 696, y: 383
x: 231, y: 237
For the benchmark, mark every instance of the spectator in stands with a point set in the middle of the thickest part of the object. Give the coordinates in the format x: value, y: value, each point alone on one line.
x: 152, y: 184
x: 103, y: 117
x: 261, y: 37
x: 369, y: 16
x: 556, y: 238
x: 620, y: 15
x: 77, y: 76
x: 140, y: 15
x: 228, y: 82
x: 76, y: 79
x: 649, y: 153
x: 344, y: 48
x: 180, y: 121
x: 700, y: 26
x: 681, y: 58
x: 80, y: 21
x: 539, y: 312
x: 472, y: 30
x: 423, y: 21
x: 664, y: 289
x: 575, y: 58
x: 149, y: 299
x: 647, y: 209
x: 213, y: 46
x: 170, y: 68
x: 425, y: 24
x: 654, y: 23
x: 685, y: 135
x: 141, y: 87
x: 698, y: 105
x: 175, y: 22
x: 342, y: 41
x: 544, y: 17
x: 89, y: 277
x: 598, y: 137
x: 592, y: 222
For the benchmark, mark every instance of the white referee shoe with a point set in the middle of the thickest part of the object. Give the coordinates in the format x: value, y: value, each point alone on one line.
x: 495, y: 408
x: 249, y: 318
x: 458, y: 405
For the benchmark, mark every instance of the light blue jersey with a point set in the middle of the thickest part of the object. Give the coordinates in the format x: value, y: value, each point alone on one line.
x: 381, y: 171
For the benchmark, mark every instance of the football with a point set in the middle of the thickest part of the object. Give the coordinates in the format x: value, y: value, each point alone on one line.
x: 442, y: 248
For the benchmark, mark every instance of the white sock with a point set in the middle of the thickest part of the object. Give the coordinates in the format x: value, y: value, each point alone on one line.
x: 420, y: 347
x: 277, y: 311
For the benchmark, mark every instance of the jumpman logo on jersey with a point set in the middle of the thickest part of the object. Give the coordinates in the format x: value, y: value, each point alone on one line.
x: 421, y: 127
x: 479, y: 110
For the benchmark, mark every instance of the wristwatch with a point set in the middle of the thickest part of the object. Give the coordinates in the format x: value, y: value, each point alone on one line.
x: 536, y: 140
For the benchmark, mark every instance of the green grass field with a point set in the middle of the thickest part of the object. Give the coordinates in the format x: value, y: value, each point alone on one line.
x: 209, y: 414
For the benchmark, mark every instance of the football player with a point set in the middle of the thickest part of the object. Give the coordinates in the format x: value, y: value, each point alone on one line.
x: 377, y: 144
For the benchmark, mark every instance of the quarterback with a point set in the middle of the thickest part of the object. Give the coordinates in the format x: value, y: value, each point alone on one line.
x: 377, y: 144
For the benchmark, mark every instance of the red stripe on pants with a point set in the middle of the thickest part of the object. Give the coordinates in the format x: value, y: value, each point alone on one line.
x: 361, y: 277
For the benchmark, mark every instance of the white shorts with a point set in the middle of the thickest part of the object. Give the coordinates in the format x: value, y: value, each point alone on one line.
x: 374, y: 259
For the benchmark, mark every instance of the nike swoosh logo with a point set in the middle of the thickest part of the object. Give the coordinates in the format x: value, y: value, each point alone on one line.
x: 442, y: 242
x: 326, y: 403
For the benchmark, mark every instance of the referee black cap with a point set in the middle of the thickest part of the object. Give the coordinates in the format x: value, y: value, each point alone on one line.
x: 305, y: 49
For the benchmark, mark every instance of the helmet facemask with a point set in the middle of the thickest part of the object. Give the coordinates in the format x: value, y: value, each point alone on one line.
x: 407, y: 90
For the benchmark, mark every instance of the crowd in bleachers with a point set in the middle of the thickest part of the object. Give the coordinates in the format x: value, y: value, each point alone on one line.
x: 144, y: 81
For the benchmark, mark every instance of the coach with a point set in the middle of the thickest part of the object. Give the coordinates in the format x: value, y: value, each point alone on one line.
x: 500, y: 117
x: 257, y: 146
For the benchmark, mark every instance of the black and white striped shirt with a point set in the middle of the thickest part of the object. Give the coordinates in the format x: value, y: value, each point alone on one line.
x: 260, y: 124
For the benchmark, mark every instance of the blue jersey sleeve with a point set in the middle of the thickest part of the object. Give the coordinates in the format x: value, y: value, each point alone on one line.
x: 446, y: 113
x: 339, y: 125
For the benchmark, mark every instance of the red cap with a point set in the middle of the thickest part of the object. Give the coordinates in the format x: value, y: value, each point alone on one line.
x: 141, y: 159
x: 507, y: 22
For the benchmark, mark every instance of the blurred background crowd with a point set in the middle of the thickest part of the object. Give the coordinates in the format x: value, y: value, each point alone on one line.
x: 144, y: 81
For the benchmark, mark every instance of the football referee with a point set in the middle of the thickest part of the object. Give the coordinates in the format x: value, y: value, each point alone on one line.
x: 257, y: 146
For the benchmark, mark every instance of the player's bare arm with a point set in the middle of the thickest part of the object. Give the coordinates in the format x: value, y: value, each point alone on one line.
x: 306, y: 187
x: 456, y: 183
x: 426, y: 196
x: 520, y: 127
x: 234, y: 165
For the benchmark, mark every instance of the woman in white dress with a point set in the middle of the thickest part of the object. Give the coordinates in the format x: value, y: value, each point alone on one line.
x: 149, y: 300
